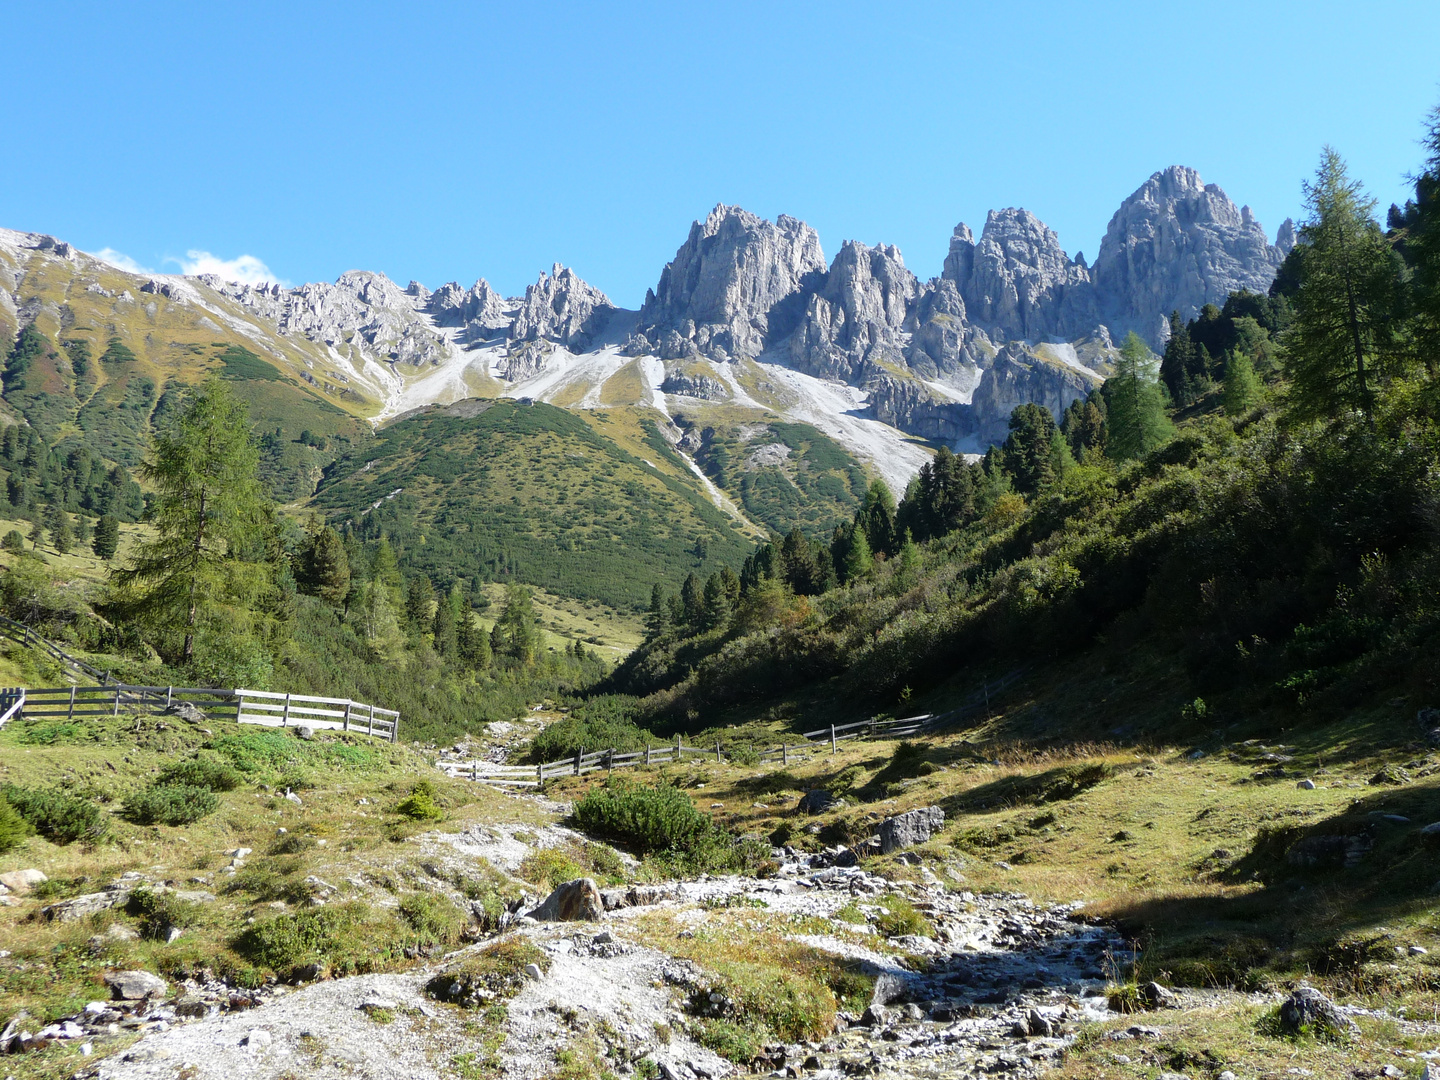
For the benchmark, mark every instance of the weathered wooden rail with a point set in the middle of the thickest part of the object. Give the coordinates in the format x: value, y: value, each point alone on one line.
x: 243, y: 706
x: 534, y: 776
x: 21, y: 634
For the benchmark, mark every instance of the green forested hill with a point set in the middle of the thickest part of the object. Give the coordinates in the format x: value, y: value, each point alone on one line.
x: 529, y: 492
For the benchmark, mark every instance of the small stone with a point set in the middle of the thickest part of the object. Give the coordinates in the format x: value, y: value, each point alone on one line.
x: 1227, y: 1075
x: 305, y: 731
x: 1306, y: 785
x: 290, y: 796
x: 238, y: 853
x: 375, y: 1004
x: 1308, y: 1008
x: 533, y: 971
x: 1158, y: 997
x: 1419, y: 950
x: 257, y: 1039
x: 574, y: 901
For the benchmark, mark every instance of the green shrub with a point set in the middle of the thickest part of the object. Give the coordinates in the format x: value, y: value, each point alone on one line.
x: 257, y: 752
x: 57, y: 816
x: 201, y: 773
x: 170, y: 804
x: 645, y: 819
x: 159, y: 912
x: 496, y: 971
x: 420, y: 804
x: 347, y: 938
x: 601, y: 724
x: 606, y: 862
x: 47, y: 733
x: 841, y: 783
x: 13, y: 828
x: 735, y: 1042
x: 292, y: 844
x: 899, y: 916
x: 435, y: 920
x: 549, y: 867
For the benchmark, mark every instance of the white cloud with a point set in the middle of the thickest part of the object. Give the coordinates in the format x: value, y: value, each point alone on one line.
x: 247, y: 269
x: 121, y: 261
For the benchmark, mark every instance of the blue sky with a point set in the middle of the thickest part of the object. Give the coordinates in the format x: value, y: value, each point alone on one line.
x: 453, y: 141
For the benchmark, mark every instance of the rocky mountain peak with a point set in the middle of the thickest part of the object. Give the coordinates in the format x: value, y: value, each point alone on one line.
x: 480, y: 309
x: 724, y: 292
x: 561, y: 307
x: 1017, y: 282
x: 1178, y: 243
x: 858, y: 314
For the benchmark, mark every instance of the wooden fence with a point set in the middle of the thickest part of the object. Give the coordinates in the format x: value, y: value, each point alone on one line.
x: 23, y: 635
x: 243, y: 706
x: 817, y: 741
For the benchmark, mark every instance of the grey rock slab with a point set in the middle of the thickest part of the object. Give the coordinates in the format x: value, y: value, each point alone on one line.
x: 21, y: 882
x: 910, y: 828
x: 574, y: 901
x: 135, y: 985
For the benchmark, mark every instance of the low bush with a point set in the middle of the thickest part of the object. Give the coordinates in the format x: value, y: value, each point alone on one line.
x: 549, y: 867
x: 13, y: 827
x: 601, y: 724
x: 420, y: 804
x: 899, y: 917
x: 496, y: 971
x: 345, y: 938
x: 57, y: 816
x: 159, y: 912
x: 646, y: 819
x: 202, y: 773
x: 170, y: 804
x: 435, y: 920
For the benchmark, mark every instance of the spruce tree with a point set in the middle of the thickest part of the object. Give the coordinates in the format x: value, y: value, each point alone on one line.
x: 419, y: 595
x: 324, y: 565
x: 1029, y: 452
x: 1136, y: 419
x: 658, y: 616
x: 442, y: 628
x: 58, y: 524
x: 716, y: 603
x: 107, y: 537
x: 692, y: 601
x: 877, y: 517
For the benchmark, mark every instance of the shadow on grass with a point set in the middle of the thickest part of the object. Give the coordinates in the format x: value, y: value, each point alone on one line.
x: 1327, y: 897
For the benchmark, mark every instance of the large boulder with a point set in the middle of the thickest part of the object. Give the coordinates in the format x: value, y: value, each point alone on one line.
x: 135, y: 985
x: 82, y: 907
x: 910, y: 828
x: 575, y: 901
x: 21, y: 882
x: 817, y: 802
x: 1307, y: 1009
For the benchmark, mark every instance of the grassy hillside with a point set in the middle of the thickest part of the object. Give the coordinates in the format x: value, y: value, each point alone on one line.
x: 110, y: 362
x: 505, y: 491
x: 782, y: 475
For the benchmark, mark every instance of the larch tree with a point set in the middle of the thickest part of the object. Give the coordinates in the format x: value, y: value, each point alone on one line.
x: 1135, y: 418
x: 209, y: 508
x: 1343, y: 334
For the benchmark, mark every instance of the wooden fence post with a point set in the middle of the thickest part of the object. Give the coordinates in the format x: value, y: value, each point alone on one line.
x: 677, y: 749
x: 347, y: 715
x: 169, y: 696
x: 833, y: 749
x: 784, y: 755
x: 717, y: 752
x: 579, y: 753
x: 117, y: 700
x: 71, y: 714
x: 647, y: 753
x: 285, y: 718
x: 985, y: 686
x: 370, y: 721
x: 475, y: 769
x: 610, y: 760
x: 540, y: 775
x: 395, y: 728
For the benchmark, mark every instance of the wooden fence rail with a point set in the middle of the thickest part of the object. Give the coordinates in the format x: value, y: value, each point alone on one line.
x: 532, y: 776
x: 243, y: 706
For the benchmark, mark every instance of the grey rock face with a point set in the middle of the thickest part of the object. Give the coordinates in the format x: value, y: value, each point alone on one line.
x: 362, y: 308
x: 724, y: 293
x: 941, y: 338
x: 910, y: 828
x: 480, y: 309
x: 858, y: 315
x: 1178, y: 243
x: 693, y: 384
x: 563, y: 308
x: 1017, y: 282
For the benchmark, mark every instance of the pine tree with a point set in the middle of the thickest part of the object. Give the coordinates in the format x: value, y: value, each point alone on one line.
x: 442, y: 628
x: 691, y: 601
x: 1344, y: 331
x: 57, y: 522
x: 658, y: 616
x: 516, y: 635
x: 1423, y: 239
x: 419, y: 595
x: 107, y: 537
x: 716, y: 604
x: 1136, y: 419
x: 1178, y: 362
x: 1242, y: 388
x: 876, y: 516
x: 13, y: 542
x: 1029, y: 453
x: 858, y: 560
x: 324, y: 566
x: 208, y: 508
